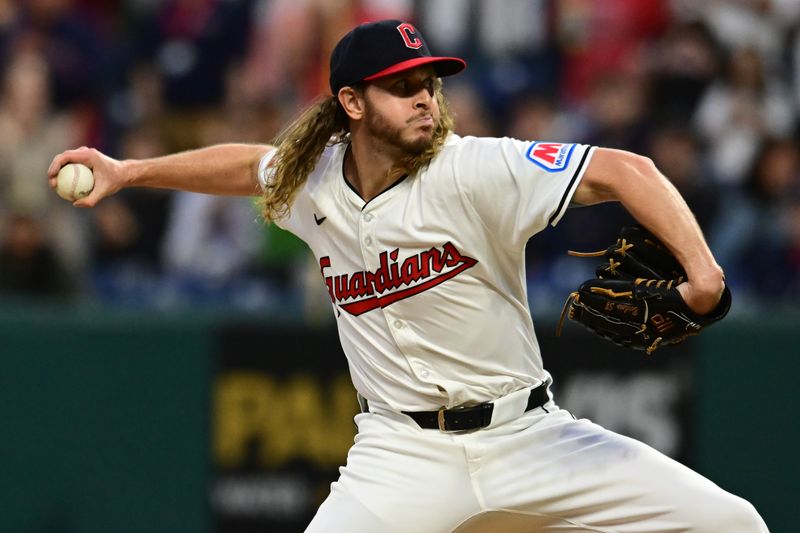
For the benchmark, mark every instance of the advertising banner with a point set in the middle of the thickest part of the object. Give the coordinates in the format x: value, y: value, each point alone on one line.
x: 283, y: 405
x: 281, y: 424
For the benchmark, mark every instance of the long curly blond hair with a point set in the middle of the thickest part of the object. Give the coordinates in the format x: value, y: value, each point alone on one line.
x: 322, y: 124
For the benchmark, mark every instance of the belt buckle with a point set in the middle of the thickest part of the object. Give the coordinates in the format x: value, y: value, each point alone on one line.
x: 485, y: 415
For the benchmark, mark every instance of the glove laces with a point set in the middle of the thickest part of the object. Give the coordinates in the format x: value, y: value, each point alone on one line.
x: 623, y: 247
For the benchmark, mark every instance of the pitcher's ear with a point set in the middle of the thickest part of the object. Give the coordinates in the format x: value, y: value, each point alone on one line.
x: 352, y: 101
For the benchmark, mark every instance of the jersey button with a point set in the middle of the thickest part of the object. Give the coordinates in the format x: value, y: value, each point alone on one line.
x: 368, y: 217
x: 424, y: 374
x: 368, y: 241
x: 399, y: 324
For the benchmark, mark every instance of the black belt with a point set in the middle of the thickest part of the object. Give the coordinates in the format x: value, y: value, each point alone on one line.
x: 464, y: 418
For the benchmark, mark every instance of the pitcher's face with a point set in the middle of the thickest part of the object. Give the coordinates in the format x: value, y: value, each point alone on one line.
x: 402, y: 110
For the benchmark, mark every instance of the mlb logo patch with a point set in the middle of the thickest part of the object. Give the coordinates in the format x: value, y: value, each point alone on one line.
x: 553, y: 157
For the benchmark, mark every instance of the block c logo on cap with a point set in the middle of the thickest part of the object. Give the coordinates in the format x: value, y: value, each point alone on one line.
x: 409, y: 35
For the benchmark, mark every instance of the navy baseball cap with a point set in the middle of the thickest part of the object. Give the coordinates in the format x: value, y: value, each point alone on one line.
x: 376, y: 49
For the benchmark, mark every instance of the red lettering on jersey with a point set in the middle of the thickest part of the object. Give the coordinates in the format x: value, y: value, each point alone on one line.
x: 394, y: 281
x: 409, y: 35
x: 547, y: 152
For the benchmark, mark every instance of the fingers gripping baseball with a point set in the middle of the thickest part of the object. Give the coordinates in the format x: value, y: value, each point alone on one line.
x: 108, y: 173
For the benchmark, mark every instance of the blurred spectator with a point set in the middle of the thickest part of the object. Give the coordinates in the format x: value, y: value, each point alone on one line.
x: 215, y: 238
x: 758, y: 24
x: 685, y: 62
x: 243, y: 116
x: 508, y: 45
x: 288, y: 55
x: 775, y: 263
x: 76, y: 45
x: 486, y: 27
x: 10, y: 12
x: 753, y: 220
x: 28, y: 264
x: 128, y: 228
x: 616, y: 112
x: 210, y: 237
x: 117, y: 235
x: 192, y: 43
x: 709, y: 90
x: 534, y: 116
x: 676, y: 152
x: 32, y: 134
x: 284, y: 56
x: 790, y: 255
x: 471, y: 114
x: 140, y: 100
x: 278, y: 258
x: 793, y: 72
x: 602, y: 37
x: 740, y: 109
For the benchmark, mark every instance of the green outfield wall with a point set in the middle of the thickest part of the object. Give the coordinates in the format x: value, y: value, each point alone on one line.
x: 144, y: 422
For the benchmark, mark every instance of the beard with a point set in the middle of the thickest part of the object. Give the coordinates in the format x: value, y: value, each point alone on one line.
x: 379, y: 127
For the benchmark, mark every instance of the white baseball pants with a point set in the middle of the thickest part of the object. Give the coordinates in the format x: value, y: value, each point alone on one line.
x: 541, y: 472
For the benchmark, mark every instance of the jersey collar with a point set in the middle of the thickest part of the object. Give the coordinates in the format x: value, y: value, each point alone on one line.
x: 354, y: 195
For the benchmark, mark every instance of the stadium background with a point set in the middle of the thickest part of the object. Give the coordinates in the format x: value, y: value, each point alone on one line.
x: 168, y: 363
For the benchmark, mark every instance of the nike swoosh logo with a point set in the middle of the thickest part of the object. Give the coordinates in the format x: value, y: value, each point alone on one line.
x: 319, y: 220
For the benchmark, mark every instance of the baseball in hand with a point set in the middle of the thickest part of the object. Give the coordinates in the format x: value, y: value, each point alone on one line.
x: 74, y: 181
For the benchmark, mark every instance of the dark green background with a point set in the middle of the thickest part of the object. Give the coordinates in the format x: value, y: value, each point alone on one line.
x: 104, y: 423
x: 104, y: 418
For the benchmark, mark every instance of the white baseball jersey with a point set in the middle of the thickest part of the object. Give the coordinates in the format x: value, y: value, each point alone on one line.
x: 428, y: 278
x: 428, y: 285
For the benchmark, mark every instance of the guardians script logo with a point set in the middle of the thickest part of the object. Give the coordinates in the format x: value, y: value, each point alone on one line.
x: 363, y: 291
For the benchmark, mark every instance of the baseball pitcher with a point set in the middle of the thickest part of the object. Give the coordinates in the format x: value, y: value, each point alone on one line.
x: 419, y: 235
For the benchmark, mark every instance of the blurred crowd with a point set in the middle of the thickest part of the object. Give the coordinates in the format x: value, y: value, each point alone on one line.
x: 709, y: 90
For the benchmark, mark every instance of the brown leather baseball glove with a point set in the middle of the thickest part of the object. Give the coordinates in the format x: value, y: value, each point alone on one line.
x: 633, y: 301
